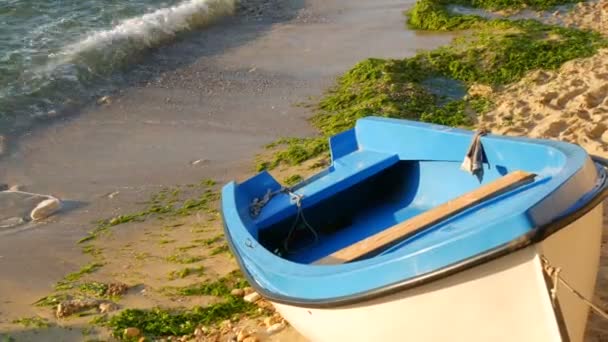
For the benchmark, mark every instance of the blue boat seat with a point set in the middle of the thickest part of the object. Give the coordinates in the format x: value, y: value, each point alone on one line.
x: 342, y: 174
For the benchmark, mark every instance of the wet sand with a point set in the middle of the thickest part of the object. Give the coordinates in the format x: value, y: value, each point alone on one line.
x: 208, y: 104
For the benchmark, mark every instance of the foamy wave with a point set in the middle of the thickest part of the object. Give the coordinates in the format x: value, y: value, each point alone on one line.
x: 149, y: 29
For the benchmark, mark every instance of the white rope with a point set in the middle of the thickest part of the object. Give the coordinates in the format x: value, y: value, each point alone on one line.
x: 297, y: 199
x: 554, y: 273
x: 258, y: 204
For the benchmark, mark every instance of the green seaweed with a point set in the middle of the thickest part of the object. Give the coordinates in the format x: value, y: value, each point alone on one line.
x: 52, y: 300
x: 498, y: 53
x: 293, y: 180
x: 94, y: 288
x: 164, y: 322
x: 220, y: 249
x: 219, y: 288
x: 185, y: 272
x: 165, y: 203
x: 34, y: 321
x: 183, y: 259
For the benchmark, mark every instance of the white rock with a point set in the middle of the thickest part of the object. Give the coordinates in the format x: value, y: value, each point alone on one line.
x: 15, y: 187
x: 104, y: 100
x: 107, y: 307
x: 275, y: 328
x: 252, y: 297
x: 237, y: 292
x: 242, y: 335
x: 45, y: 209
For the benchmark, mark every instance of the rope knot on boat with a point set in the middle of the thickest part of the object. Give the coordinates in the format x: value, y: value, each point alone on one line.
x: 257, y: 204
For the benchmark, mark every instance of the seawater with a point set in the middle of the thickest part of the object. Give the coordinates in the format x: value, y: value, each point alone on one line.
x: 55, y: 53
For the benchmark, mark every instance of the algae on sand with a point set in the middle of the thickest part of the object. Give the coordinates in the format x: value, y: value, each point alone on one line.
x: 498, y: 52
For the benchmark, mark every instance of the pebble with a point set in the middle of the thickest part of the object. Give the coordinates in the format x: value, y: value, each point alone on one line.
x: 104, y: 100
x: 242, y: 335
x: 198, y: 332
x: 252, y: 297
x: 275, y: 328
x: 131, y: 332
x: 237, y: 292
x: 107, y: 307
x: 69, y: 307
x: 248, y: 290
x: 45, y: 209
x: 272, y: 320
x: 15, y: 187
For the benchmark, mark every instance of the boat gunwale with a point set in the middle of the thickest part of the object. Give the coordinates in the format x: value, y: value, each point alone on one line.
x: 534, y: 236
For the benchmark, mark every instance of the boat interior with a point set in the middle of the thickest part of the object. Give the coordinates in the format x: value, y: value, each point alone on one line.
x: 365, y: 192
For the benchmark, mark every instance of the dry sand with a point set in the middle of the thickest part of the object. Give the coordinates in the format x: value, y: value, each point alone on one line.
x: 591, y: 15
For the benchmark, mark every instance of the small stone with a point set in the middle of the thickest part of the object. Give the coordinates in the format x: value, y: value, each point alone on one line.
x: 556, y: 13
x: 69, y: 307
x: 248, y: 290
x: 132, y: 332
x: 45, y: 209
x: 105, y: 100
x: 272, y: 320
x: 275, y: 328
x: 51, y: 113
x: 117, y: 289
x: 252, y: 297
x: 112, y: 195
x: 107, y: 307
x: 237, y: 292
x: 268, y: 322
x: 15, y: 187
x: 242, y: 335
x: 198, y: 332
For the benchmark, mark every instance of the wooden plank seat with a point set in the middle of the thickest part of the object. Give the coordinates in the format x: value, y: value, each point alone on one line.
x: 428, y: 218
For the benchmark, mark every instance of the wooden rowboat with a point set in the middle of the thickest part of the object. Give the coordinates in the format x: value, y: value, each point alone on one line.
x: 395, y: 241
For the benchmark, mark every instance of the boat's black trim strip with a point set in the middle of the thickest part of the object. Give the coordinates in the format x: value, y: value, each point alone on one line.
x: 534, y: 236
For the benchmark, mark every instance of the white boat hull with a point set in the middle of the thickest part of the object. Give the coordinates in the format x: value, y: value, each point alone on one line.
x: 506, y: 299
